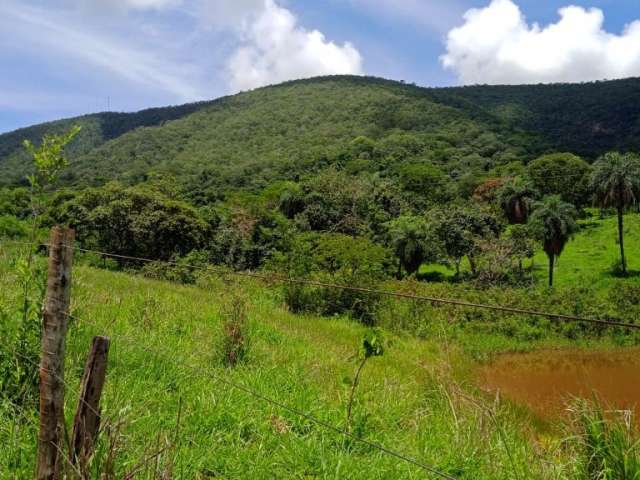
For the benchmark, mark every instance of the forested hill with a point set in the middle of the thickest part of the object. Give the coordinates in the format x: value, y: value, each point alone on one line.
x: 284, y: 131
x: 587, y: 119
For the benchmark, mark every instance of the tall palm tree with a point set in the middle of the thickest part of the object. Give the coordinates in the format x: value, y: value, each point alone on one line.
x: 553, y: 222
x: 409, y: 238
x: 615, y: 182
x: 516, y: 199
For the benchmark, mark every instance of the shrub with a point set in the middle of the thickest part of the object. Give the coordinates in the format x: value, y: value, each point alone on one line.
x: 20, y: 334
x: 334, y: 259
x: 234, y: 330
x: 11, y: 227
x: 184, y: 270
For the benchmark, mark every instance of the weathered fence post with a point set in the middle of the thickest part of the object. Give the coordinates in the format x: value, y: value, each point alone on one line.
x: 87, y: 420
x: 54, y: 331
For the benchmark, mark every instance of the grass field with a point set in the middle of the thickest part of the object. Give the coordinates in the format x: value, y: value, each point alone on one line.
x: 165, y: 353
x: 164, y: 391
x: 592, y: 254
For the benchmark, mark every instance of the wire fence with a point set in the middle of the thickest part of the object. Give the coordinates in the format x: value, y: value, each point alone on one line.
x: 275, y: 278
x: 208, y: 372
x: 259, y: 396
x: 170, y: 356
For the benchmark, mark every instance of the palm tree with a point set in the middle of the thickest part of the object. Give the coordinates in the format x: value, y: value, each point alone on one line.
x: 615, y: 182
x: 516, y: 199
x: 409, y: 237
x: 553, y: 222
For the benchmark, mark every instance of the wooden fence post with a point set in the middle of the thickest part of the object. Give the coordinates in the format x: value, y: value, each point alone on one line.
x: 54, y: 331
x: 87, y: 420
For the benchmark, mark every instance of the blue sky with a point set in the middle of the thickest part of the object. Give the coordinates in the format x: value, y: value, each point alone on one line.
x: 63, y: 58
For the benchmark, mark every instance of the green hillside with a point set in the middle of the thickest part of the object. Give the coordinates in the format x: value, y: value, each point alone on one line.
x: 279, y: 132
x: 587, y: 119
x: 96, y: 130
x: 273, y: 239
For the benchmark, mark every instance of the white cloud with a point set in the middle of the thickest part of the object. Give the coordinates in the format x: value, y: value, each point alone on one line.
x: 228, y: 14
x: 63, y: 36
x: 130, y: 4
x: 274, y: 48
x: 497, y: 45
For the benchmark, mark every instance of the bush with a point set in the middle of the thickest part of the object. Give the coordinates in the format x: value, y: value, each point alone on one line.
x: 235, y: 342
x: 184, y: 270
x: 20, y: 334
x: 499, y: 264
x: 339, y: 260
x: 11, y: 227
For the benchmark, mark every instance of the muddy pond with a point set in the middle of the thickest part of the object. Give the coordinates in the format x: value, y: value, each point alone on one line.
x: 545, y: 380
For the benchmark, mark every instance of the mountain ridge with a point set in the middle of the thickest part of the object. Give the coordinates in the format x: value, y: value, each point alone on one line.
x: 283, y: 130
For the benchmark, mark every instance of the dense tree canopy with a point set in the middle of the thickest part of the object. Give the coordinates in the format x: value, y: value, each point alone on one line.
x: 134, y: 221
x: 562, y: 174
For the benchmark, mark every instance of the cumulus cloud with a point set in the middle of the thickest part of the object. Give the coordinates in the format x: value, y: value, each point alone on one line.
x: 275, y: 48
x: 496, y: 45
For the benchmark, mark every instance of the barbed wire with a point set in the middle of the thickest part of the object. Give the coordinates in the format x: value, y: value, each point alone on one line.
x: 271, y: 278
x: 171, y: 357
x: 388, y: 293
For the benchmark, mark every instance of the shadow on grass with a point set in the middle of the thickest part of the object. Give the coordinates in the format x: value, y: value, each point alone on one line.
x: 590, y: 225
x: 617, y: 273
x: 438, y: 277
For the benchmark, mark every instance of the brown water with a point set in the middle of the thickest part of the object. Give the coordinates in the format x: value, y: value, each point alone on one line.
x: 544, y: 381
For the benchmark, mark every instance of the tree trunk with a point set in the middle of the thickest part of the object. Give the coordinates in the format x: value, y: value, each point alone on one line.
x: 551, y: 262
x: 621, y: 239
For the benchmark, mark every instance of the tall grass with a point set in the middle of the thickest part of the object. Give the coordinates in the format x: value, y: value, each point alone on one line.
x: 607, y: 445
x: 167, y: 341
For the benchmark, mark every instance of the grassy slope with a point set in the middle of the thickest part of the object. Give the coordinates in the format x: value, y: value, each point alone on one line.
x: 592, y: 254
x: 418, y: 398
x: 589, y: 256
x: 165, y: 342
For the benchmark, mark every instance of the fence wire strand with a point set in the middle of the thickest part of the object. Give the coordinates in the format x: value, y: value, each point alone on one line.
x: 171, y: 357
x: 388, y: 293
x: 354, y: 288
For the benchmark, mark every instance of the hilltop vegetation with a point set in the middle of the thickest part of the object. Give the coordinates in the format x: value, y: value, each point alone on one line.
x: 340, y: 178
x: 250, y: 140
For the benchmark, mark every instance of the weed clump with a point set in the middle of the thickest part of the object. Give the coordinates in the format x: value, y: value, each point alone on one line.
x: 608, y: 447
x: 235, y: 341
